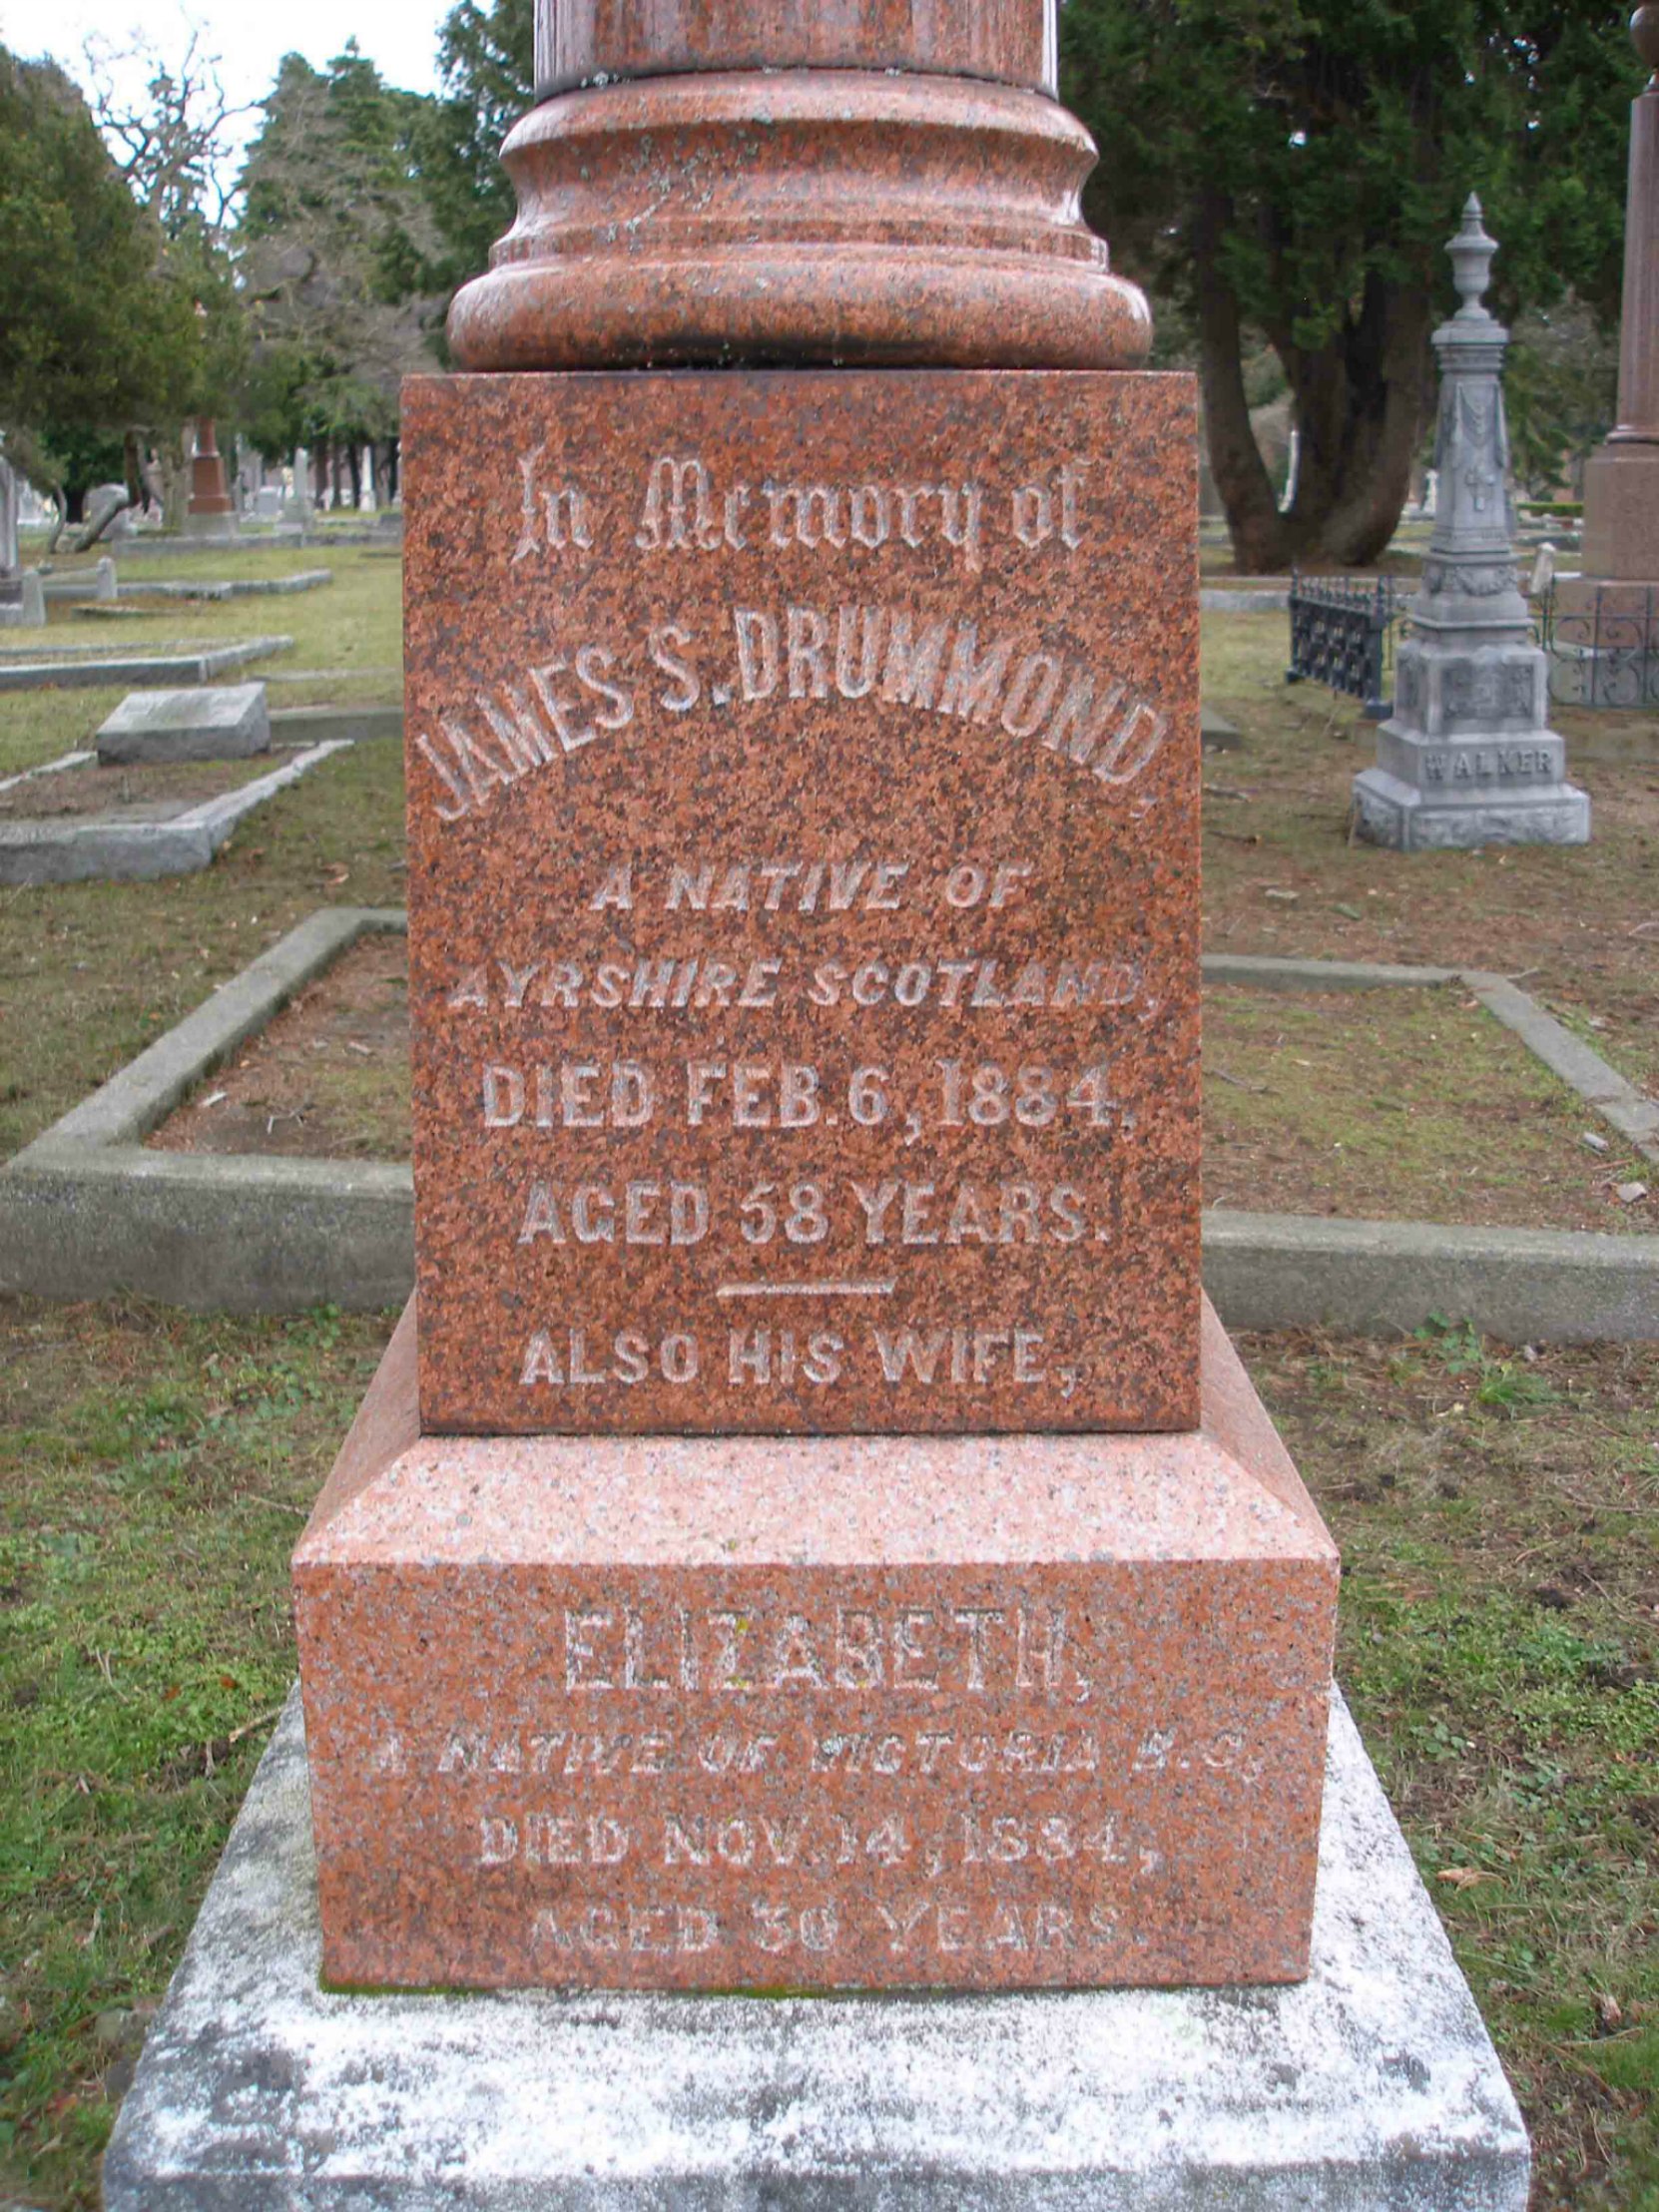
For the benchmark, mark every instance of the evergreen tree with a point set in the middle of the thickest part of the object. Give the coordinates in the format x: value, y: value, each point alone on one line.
x: 488, y: 63
x: 101, y: 338
x: 332, y: 247
x: 1288, y: 171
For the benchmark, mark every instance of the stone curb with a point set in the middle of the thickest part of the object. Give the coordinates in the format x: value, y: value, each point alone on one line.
x: 138, y: 674
x: 1580, y: 1067
x: 138, y: 1099
x: 1617, y: 1102
x: 85, y: 1211
x: 243, y: 587
x: 33, y: 854
x: 1216, y: 599
x: 1369, y: 1278
x: 348, y: 725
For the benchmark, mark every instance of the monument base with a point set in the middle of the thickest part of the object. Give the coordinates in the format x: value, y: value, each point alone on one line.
x: 1371, y: 2085
x: 25, y: 607
x: 1393, y: 812
x: 815, y: 1713
x: 1621, y: 512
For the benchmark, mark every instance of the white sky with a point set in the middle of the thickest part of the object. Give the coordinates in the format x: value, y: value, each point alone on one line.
x: 400, y: 38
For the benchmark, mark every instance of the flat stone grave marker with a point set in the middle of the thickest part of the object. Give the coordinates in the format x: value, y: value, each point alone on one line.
x: 221, y: 722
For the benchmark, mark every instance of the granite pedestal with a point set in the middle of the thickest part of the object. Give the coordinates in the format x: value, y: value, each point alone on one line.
x: 1370, y: 2087
x: 830, y: 1711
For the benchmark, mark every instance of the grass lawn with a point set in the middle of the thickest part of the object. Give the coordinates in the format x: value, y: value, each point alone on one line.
x: 1499, y: 1521
x: 1580, y: 926
x: 1499, y: 1514
x: 351, y: 627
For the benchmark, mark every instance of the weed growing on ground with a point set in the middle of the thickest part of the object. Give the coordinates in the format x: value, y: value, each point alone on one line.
x: 1499, y: 1514
x: 155, y: 1473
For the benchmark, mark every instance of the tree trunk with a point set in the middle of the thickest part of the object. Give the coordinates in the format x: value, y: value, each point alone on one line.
x: 90, y: 536
x: 1260, y: 543
x: 1362, y: 403
x: 354, y: 468
x: 395, y: 469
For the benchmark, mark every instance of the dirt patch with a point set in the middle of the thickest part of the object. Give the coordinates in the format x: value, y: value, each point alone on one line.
x: 330, y: 1078
x: 1392, y: 1105
x: 1580, y: 926
x: 133, y: 792
x: 1402, y: 1105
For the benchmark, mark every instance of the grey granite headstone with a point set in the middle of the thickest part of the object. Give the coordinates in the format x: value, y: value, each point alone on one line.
x: 1468, y: 759
x: 25, y: 609
x: 101, y: 499
x: 1372, y: 2087
x: 226, y: 722
x: 10, y: 559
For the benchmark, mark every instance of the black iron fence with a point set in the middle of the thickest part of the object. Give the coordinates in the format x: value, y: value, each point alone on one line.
x: 1342, y: 634
x: 1603, y: 644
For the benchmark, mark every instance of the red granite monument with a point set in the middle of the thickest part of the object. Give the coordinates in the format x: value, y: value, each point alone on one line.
x: 1621, y: 478
x: 806, y: 1531
x: 211, y: 511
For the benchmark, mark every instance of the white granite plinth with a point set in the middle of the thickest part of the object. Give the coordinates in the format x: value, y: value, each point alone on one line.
x: 1393, y: 812
x: 227, y: 721
x: 1371, y: 2085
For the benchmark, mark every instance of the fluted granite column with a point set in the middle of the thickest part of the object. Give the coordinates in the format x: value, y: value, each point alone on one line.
x: 1621, y: 482
x: 875, y: 183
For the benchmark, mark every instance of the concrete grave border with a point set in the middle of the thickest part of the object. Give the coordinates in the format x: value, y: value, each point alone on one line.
x: 242, y: 587
x: 86, y: 1210
x: 138, y: 672
x: 98, y: 849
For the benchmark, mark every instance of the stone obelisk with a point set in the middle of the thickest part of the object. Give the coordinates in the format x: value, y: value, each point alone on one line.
x: 1468, y: 759
x: 1621, y: 479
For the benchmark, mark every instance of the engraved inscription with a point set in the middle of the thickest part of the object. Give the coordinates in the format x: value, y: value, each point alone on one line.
x: 886, y: 656
x: 802, y: 915
x: 716, y: 1767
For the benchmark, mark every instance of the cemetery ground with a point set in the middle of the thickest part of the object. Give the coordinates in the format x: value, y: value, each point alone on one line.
x: 1499, y: 1513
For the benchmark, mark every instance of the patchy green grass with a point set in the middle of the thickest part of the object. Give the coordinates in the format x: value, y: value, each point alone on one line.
x: 1499, y: 1643
x: 351, y: 628
x: 155, y: 1472
x: 90, y: 973
x: 1281, y: 877
x: 39, y: 726
x: 1499, y: 1521
x: 1402, y: 1105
